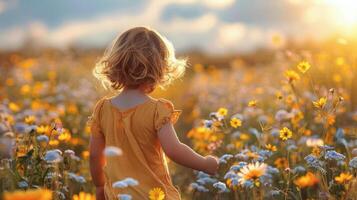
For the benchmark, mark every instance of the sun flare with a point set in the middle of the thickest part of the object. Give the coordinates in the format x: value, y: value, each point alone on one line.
x: 345, y: 11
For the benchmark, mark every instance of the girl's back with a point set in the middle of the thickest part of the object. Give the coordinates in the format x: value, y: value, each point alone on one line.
x: 134, y: 131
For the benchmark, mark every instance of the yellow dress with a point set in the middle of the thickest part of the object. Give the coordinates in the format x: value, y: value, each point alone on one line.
x: 134, y: 131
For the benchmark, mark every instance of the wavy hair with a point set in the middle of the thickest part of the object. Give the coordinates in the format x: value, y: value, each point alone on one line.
x: 139, y: 57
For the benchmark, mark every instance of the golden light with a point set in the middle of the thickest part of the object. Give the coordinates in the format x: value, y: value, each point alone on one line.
x: 345, y: 11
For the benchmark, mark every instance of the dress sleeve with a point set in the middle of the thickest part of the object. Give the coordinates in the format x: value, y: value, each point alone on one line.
x: 95, y: 118
x: 165, y: 112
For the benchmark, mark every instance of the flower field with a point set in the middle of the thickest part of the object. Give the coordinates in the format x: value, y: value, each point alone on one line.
x: 283, y: 124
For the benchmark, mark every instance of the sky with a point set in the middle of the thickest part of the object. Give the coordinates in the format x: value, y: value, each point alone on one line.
x: 216, y: 26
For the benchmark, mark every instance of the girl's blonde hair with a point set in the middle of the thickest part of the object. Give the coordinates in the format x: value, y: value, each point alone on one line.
x: 138, y: 57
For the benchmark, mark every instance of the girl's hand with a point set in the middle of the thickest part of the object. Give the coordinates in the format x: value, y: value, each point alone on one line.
x: 99, y: 193
x: 211, y: 165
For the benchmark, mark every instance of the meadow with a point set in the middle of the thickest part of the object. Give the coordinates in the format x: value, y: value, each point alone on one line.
x: 282, y: 122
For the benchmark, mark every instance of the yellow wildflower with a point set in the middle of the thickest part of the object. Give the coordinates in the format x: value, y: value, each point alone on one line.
x: 222, y: 111
x: 30, y: 119
x: 235, y: 122
x: 252, y: 103
x: 156, y: 194
x: 307, y: 180
x: 343, y: 178
x: 285, y: 133
x: 14, y: 107
x: 320, y: 103
x: 303, y: 66
x: 39, y: 194
x: 270, y: 147
x: 83, y: 196
x: 291, y: 75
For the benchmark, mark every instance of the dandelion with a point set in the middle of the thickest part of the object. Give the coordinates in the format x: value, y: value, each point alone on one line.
x: 320, y: 103
x: 83, y: 196
x: 308, y: 180
x: 252, y: 103
x: 222, y: 112
x: 285, y: 133
x: 252, y: 172
x: 303, y: 66
x: 292, y: 76
x: 235, y: 122
x: 156, y: 194
x: 343, y: 178
x: 270, y: 147
x: 111, y: 151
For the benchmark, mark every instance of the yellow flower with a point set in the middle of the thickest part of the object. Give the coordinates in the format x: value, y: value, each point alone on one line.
x: 235, y: 122
x: 291, y: 75
x: 270, y: 147
x: 252, y: 103
x: 44, y: 129
x: 39, y: 194
x: 65, y: 136
x: 303, y: 66
x: 316, y: 151
x: 14, y: 107
x: 343, y: 178
x: 285, y: 133
x: 307, y: 180
x: 83, y: 196
x: 156, y: 194
x: 320, y: 103
x: 252, y: 172
x: 281, y: 163
x: 222, y: 111
x: 30, y: 119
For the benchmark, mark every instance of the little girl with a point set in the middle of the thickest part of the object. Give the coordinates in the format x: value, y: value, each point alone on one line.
x: 141, y: 126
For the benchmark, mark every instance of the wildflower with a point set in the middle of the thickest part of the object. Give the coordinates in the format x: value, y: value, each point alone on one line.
x: 156, y: 194
x: 44, y: 129
x: 38, y: 194
x: 308, y: 180
x: 30, y: 119
x: 83, y: 196
x: 270, y: 147
x: 314, y: 142
x: 291, y: 75
x: 320, y: 103
x: 205, y: 180
x: 353, y: 163
x: 299, y: 169
x: 220, y: 186
x: 222, y: 112
x: 124, y: 197
x: 42, y: 138
x: 225, y: 158
x: 285, y: 133
x: 125, y: 183
x: 111, y: 151
x: 281, y: 163
x: 303, y: 66
x: 198, y: 187
x: 316, y: 151
x: 333, y: 155
x: 343, y: 178
x: 282, y: 115
x: 235, y: 122
x: 53, y: 156
x: 14, y: 107
x: 252, y: 172
x: 252, y: 103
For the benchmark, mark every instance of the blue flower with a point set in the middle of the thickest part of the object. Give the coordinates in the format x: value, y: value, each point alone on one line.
x: 223, y: 159
x: 124, y: 197
x: 220, y: 186
x: 205, y: 180
x: 230, y: 175
x: 248, y: 184
x: 198, y: 187
x: 333, y: 155
x: 299, y: 170
x: 353, y: 163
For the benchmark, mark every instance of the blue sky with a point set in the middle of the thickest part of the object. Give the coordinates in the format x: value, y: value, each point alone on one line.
x: 212, y: 25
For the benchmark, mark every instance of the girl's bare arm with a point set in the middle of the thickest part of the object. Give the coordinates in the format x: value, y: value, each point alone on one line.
x: 182, y: 154
x: 97, y: 161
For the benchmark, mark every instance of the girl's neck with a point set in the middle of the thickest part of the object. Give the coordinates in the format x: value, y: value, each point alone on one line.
x: 136, y: 92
